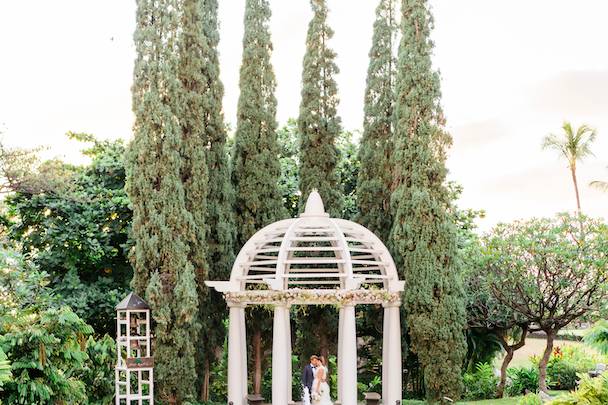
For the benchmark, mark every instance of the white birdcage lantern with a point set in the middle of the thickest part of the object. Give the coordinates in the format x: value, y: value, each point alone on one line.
x: 134, y: 361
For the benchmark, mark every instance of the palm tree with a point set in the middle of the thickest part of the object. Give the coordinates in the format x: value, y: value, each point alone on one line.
x: 601, y: 185
x: 574, y: 146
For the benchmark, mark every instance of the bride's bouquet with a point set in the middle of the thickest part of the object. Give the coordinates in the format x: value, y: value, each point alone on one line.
x: 316, y: 396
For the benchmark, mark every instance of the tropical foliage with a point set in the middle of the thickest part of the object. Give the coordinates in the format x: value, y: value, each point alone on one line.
x: 51, y: 359
x: 589, y: 392
x: 75, y: 224
x: 481, y: 383
x: 597, y: 337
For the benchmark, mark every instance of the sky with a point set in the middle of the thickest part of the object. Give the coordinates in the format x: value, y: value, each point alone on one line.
x: 512, y: 72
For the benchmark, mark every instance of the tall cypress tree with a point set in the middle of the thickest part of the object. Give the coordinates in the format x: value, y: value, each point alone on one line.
x: 200, y: 118
x: 163, y: 229
x: 256, y: 168
x: 318, y: 122
x: 220, y: 235
x: 375, y: 173
x: 220, y: 199
x: 319, y: 128
x: 424, y: 238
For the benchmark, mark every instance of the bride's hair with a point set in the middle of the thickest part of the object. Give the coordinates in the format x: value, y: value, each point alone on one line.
x: 322, y: 360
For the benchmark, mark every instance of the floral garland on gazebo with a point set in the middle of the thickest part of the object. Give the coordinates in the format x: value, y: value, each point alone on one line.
x: 316, y: 297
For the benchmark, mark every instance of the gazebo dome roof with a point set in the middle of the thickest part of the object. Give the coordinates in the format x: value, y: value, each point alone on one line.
x: 314, y: 251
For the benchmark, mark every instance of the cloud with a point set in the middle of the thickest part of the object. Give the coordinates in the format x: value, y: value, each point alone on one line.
x: 478, y: 133
x: 571, y: 93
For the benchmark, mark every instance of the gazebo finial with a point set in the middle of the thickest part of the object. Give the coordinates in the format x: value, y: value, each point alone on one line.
x: 314, y: 205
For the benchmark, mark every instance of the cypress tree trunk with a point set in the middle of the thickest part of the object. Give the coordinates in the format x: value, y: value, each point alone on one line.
x: 164, y: 229
x: 257, y: 361
x: 206, y: 379
x: 318, y: 123
x: 375, y: 175
x: 424, y: 240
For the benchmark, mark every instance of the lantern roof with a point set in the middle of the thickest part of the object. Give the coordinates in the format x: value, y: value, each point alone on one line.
x: 132, y: 301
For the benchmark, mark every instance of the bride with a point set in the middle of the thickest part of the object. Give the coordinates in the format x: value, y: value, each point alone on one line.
x: 320, y: 388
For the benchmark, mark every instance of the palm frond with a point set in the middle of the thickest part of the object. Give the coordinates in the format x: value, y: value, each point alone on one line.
x: 600, y: 185
x: 574, y: 145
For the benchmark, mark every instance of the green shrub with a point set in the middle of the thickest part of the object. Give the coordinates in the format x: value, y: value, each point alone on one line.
x: 564, y: 365
x: 45, y: 349
x: 98, y: 373
x: 597, y: 337
x: 562, y: 375
x: 5, y: 369
x: 591, y: 391
x: 481, y: 384
x: 218, y: 391
x: 530, y: 399
x: 522, y: 380
x: 51, y: 360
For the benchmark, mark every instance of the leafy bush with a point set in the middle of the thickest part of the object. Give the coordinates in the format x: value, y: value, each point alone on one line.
x: 562, y: 375
x: 98, y: 372
x: 375, y: 385
x: 591, y: 391
x: 46, y: 351
x: 530, y: 399
x: 597, y: 337
x: 522, y: 380
x: 564, y: 365
x: 218, y: 390
x: 5, y: 369
x: 51, y: 360
x: 74, y: 222
x: 580, y: 359
x: 481, y: 384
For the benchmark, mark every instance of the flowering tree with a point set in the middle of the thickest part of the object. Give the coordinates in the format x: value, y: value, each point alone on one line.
x: 549, y: 271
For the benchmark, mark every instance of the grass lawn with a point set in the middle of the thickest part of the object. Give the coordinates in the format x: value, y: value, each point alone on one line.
x: 503, y: 401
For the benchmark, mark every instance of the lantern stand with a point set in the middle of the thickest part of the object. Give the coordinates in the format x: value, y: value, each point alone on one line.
x: 134, y: 370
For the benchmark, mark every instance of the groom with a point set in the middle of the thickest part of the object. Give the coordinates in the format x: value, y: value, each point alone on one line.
x: 308, y: 375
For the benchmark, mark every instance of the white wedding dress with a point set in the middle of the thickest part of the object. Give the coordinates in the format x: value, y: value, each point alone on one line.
x: 324, y: 398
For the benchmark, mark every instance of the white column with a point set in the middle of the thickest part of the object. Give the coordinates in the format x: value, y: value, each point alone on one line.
x: 340, y: 355
x: 394, y: 374
x: 280, y: 379
x: 235, y: 355
x: 244, y: 353
x: 385, y: 355
x: 289, y: 367
x: 349, y: 356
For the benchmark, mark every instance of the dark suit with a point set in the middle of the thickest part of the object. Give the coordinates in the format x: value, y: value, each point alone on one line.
x: 308, y: 377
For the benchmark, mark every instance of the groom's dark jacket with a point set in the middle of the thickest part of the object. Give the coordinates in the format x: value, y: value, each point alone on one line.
x: 308, y: 377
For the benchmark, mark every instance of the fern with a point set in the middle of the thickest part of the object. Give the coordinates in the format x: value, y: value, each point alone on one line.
x: 597, y: 337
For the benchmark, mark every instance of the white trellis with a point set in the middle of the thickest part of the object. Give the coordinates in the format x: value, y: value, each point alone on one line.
x: 134, y: 363
x: 313, y: 260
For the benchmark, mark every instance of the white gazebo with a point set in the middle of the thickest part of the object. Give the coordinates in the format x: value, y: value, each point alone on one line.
x: 313, y: 260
